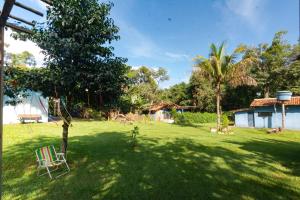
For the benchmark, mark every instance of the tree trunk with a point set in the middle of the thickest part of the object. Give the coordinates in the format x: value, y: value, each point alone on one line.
x: 64, y: 145
x: 218, y: 97
x: 100, y: 101
x: 64, y: 109
x: 266, y: 92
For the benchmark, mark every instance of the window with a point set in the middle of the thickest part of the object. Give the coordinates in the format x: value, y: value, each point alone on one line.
x: 264, y: 114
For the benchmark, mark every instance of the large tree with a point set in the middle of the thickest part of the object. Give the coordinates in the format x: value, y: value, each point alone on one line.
x: 143, y: 88
x: 78, y: 57
x: 292, y: 71
x: 15, y: 70
x: 222, y: 68
x: 202, y: 92
x: 178, y: 94
x: 270, y: 67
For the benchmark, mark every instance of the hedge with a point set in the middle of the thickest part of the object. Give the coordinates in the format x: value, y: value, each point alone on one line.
x: 197, y: 118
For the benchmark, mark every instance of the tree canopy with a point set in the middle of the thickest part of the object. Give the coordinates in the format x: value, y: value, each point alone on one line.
x: 79, y: 59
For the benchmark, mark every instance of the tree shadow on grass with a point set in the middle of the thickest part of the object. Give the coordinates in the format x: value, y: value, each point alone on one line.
x: 189, y: 125
x: 287, y: 153
x: 104, y: 166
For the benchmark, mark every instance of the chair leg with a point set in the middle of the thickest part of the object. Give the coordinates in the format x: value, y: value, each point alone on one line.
x: 49, y: 172
x: 67, y: 166
x: 38, y: 173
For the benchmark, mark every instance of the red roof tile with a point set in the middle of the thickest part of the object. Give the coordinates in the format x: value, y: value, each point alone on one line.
x: 160, y: 106
x: 295, y: 101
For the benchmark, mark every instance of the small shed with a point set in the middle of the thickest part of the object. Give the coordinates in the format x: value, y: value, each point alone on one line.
x: 162, y: 112
x: 266, y: 113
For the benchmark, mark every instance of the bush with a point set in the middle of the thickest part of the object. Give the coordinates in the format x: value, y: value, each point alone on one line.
x: 230, y: 116
x: 195, y: 117
x: 89, y: 113
x: 134, y: 132
x: 173, y: 113
x: 225, y: 121
x: 198, y: 118
x: 181, y: 119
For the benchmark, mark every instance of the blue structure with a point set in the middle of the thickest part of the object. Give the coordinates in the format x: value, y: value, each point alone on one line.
x: 266, y: 113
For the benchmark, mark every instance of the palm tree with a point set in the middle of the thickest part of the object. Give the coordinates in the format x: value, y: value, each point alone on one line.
x: 221, y: 68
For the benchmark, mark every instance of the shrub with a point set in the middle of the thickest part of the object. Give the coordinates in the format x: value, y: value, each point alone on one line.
x: 225, y: 121
x: 134, y: 132
x: 181, y: 119
x: 195, y: 117
x: 89, y: 113
x: 173, y: 113
x: 198, y: 118
x: 230, y: 116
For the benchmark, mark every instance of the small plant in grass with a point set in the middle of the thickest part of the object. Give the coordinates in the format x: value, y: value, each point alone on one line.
x: 225, y: 124
x: 225, y: 121
x: 134, y: 132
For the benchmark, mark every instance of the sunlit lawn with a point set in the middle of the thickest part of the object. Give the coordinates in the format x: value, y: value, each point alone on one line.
x: 171, y: 162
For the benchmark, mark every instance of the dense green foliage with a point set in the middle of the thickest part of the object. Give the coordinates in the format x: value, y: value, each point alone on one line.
x: 170, y: 162
x: 190, y: 118
x: 79, y: 60
x: 221, y: 68
x: 143, y: 88
x: 202, y: 92
x: 134, y: 132
x: 16, y: 75
x: 197, y: 117
x: 178, y: 94
x: 272, y: 68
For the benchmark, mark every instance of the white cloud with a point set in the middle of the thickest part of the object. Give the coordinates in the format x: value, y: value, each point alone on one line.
x: 249, y: 10
x: 177, y: 56
x: 135, y: 67
x: 18, y: 46
x: 139, y: 45
x: 248, y: 13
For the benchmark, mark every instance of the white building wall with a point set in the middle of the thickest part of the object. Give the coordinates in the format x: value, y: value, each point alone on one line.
x: 29, y: 105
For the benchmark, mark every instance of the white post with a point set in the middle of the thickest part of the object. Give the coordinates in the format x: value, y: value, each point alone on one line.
x: 283, y: 116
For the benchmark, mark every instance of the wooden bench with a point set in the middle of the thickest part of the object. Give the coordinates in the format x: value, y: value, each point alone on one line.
x: 32, y: 117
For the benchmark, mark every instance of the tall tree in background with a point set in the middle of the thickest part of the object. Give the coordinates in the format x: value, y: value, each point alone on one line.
x: 75, y: 41
x: 178, y: 94
x: 292, y: 71
x: 222, y: 68
x: 16, y: 67
x: 269, y: 69
x: 202, y: 92
x: 143, y: 88
x: 160, y: 75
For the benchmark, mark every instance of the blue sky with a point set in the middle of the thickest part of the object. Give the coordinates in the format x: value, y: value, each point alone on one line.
x: 170, y: 33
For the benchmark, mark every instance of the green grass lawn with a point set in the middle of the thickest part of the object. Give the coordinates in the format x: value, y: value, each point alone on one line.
x: 171, y: 162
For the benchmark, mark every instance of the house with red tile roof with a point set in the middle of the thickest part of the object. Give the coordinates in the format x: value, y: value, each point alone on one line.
x: 267, y: 113
x: 162, y: 111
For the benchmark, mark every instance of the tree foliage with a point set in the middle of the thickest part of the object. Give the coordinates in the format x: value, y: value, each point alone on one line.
x: 16, y: 68
x: 269, y: 70
x: 143, y: 89
x: 78, y: 57
x: 223, y: 68
x: 178, y: 94
x: 202, y: 92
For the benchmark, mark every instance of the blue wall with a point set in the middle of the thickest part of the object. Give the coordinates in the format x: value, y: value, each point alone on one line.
x: 241, y: 119
x: 274, y: 121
